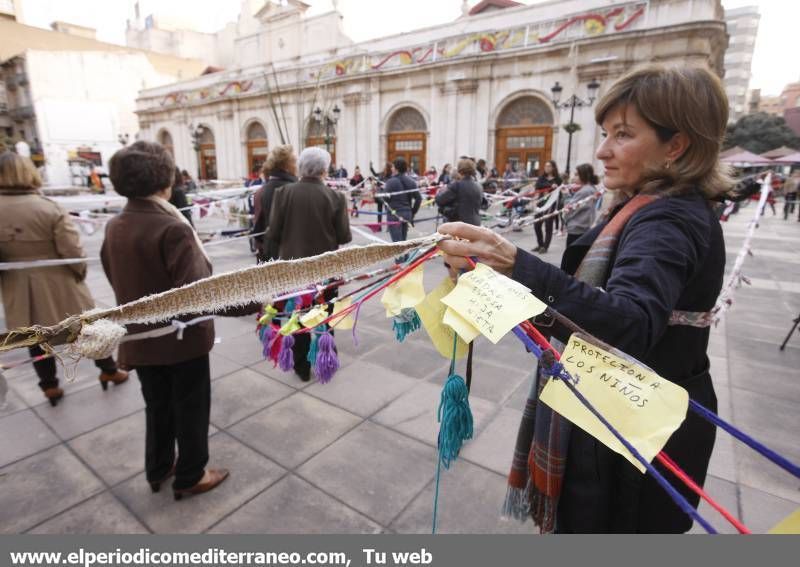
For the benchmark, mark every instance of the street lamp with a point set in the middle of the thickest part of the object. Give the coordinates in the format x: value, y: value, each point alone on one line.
x: 329, y: 120
x: 196, y: 132
x: 123, y: 139
x: 571, y: 103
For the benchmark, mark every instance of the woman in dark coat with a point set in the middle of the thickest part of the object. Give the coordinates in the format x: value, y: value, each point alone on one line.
x: 545, y: 184
x: 656, y: 284
x: 279, y: 169
x: 461, y: 200
x: 178, y: 198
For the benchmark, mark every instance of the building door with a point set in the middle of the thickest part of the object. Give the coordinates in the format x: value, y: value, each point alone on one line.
x: 407, y: 137
x: 208, y: 155
x: 257, y: 148
x: 526, y: 149
x: 524, y: 136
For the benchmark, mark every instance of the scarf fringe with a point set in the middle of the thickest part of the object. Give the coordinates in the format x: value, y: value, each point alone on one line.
x: 517, y: 504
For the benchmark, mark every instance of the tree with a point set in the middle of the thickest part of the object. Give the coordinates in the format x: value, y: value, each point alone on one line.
x: 759, y: 133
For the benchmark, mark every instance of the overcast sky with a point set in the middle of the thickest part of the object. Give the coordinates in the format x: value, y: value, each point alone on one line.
x: 775, y: 62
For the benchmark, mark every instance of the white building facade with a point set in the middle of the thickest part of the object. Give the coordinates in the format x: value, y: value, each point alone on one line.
x: 742, y: 25
x: 479, y: 86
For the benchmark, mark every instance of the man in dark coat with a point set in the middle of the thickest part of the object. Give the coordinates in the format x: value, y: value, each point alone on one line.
x: 279, y: 170
x: 405, y: 204
x: 307, y: 219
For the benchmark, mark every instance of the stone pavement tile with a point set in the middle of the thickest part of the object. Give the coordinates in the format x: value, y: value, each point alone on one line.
x: 744, y: 318
x: 230, y: 327
x: 519, y: 396
x: 101, y: 514
x: 725, y: 493
x: 470, y: 500
x: 762, y: 352
x: 362, y: 388
x: 412, y: 358
x: 114, y: 451
x: 372, y: 469
x: 773, y: 335
x: 719, y: 370
x: 293, y: 506
x: 494, y: 446
x: 24, y: 382
x: 773, y: 421
x: 41, y: 486
x: 90, y: 408
x: 12, y: 404
x: 508, y: 352
x: 221, y: 366
x: 761, y: 510
x: 723, y: 458
x: 23, y: 435
x: 724, y: 404
x: 489, y: 381
x: 241, y: 394
x: 369, y: 338
x: 294, y: 429
x: 291, y: 379
x: 414, y: 413
x: 765, y: 377
x: 244, y: 349
x: 250, y: 474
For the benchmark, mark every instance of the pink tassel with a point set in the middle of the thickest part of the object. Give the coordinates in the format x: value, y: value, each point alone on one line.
x: 286, y: 356
x: 327, y: 361
x: 275, y: 347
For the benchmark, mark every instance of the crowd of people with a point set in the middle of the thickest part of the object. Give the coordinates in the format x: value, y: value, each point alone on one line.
x: 657, y: 251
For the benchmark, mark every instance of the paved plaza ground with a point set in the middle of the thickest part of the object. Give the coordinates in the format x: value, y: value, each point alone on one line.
x: 358, y: 455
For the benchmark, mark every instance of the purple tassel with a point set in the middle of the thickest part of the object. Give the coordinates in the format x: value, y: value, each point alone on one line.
x: 327, y: 362
x: 286, y: 356
x: 266, y: 334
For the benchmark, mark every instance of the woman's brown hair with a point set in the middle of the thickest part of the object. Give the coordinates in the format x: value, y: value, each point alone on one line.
x: 690, y: 100
x: 17, y: 172
x: 279, y: 159
x: 466, y: 167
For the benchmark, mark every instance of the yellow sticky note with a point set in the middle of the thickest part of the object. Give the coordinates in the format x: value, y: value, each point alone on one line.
x: 644, y: 407
x: 346, y: 322
x: 404, y: 294
x: 460, y: 325
x: 431, y: 311
x: 789, y: 525
x: 314, y: 316
x: 491, y: 302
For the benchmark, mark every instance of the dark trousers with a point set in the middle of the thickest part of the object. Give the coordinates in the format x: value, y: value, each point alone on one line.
x: 399, y: 232
x: 544, y: 241
x: 379, y: 204
x: 572, y: 238
x: 177, y: 406
x: 788, y: 205
x: 46, y: 369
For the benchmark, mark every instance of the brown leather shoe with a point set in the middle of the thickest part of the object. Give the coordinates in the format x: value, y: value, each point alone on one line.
x: 53, y: 394
x: 216, y: 477
x: 118, y: 377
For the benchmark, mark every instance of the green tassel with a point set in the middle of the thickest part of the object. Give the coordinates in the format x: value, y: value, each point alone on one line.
x: 312, y: 349
x: 455, y: 417
x: 406, y: 323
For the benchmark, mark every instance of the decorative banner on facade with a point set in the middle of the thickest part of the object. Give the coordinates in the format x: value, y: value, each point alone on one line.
x: 644, y: 407
x: 431, y: 311
x: 492, y: 303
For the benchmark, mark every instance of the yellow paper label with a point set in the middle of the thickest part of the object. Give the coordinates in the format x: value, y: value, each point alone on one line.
x: 789, y: 525
x: 404, y: 294
x: 431, y: 311
x: 346, y: 322
x: 314, y: 316
x: 644, y: 407
x: 491, y: 302
x: 460, y: 325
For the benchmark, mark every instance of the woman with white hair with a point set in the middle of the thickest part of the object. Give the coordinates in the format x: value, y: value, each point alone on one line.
x: 308, y: 218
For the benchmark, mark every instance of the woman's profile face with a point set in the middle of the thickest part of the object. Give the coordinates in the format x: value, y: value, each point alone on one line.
x: 630, y: 148
x: 548, y: 168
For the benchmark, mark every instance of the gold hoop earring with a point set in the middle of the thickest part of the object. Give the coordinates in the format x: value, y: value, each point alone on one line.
x: 667, y: 164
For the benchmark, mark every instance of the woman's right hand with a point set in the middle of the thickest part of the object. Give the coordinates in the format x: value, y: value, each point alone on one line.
x: 474, y: 241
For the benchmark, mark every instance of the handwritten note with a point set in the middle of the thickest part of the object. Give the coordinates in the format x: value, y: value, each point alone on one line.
x: 314, y: 316
x: 431, y: 312
x: 789, y: 525
x: 404, y: 293
x: 491, y: 302
x: 344, y: 322
x: 465, y: 330
x: 644, y: 407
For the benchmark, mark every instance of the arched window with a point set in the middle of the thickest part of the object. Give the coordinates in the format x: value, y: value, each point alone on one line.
x: 525, y: 111
x: 407, y: 138
x: 257, y: 150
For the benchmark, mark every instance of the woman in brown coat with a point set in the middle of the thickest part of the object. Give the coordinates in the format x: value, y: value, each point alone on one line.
x: 32, y: 227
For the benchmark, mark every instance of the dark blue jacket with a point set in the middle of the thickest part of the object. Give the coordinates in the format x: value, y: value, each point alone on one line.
x: 406, y: 204
x: 670, y: 256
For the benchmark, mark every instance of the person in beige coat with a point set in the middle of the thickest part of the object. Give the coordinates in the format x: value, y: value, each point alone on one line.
x: 32, y: 227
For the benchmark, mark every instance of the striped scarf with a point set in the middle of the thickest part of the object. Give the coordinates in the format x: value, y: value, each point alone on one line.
x: 540, y: 453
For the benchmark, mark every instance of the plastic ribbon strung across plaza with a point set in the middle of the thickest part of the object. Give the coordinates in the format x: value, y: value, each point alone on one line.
x: 298, y: 299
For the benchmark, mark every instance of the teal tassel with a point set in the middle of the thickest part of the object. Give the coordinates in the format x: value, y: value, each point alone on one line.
x: 455, y: 417
x: 406, y: 323
x: 288, y: 307
x: 312, y: 350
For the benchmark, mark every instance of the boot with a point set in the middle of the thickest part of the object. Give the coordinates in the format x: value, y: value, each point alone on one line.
x: 53, y: 394
x: 117, y: 377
